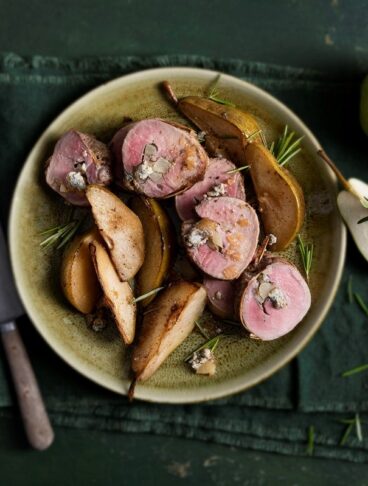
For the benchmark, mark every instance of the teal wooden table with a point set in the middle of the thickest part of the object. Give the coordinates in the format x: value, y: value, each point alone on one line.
x: 329, y: 34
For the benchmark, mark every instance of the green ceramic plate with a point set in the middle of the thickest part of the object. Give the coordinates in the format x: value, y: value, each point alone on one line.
x: 101, y: 356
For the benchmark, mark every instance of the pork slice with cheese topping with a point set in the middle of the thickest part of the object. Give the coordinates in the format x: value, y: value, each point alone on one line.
x: 78, y: 159
x: 223, y: 242
x: 158, y: 159
x: 218, y: 181
x: 274, y: 300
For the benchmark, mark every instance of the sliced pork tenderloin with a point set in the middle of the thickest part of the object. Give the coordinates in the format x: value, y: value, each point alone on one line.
x: 216, y: 182
x: 223, y: 242
x: 157, y: 158
x: 274, y: 300
x: 78, y: 159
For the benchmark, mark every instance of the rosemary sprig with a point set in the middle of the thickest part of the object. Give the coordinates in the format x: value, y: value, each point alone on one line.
x: 210, y: 344
x: 61, y: 234
x: 354, y: 371
x: 285, y: 147
x: 214, y: 94
x: 361, y: 303
x: 310, y: 447
x: 350, y: 290
x: 306, y: 254
x: 148, y: 294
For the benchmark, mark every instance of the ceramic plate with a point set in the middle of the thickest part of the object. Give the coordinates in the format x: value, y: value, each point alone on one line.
x: 101, y: 356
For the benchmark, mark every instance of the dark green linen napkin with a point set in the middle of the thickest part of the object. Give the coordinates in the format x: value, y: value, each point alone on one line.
x: 275, y: 415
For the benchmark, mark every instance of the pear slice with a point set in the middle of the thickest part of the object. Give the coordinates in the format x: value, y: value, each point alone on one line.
x: 353, y: 211
x: 120, y: 228
x: 78, y: 277
x: 158, y: 235
x: 118, y: 295
x: 226, y: 127
x: 167, y: 322
x: 280, y: 197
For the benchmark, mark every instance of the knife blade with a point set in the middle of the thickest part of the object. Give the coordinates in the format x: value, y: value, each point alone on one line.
x: 36, y: 422
x: 10, y: 304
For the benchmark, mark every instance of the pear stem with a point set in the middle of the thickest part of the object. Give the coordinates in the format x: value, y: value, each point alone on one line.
x: 132, y: 390
x: 344, y: 182
x: 167, y: 89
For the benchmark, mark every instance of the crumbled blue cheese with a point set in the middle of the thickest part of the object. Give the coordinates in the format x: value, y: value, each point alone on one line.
x: 201, y: 136
x: 217, y: 190
x: 268, y: 290
x: 203, y: 362
x: 277, y: 297
x: 143, y: 171
x: 196, y: 237
x: 272, y: 240
x: 76, y: 180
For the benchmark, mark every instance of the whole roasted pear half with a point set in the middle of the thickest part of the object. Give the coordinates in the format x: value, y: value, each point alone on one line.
x: 118, y: 295
x: 158, y: 235
x: 78, y: 277
x: 120, y: 228
x: 280, y: 197
x: 166, y: 323
x: 226, y: 128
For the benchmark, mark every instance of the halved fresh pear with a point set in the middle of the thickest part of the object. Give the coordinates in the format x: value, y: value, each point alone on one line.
x: 280, y: 197
x: 227, y: 128
x: 158, y: 243
x: 167, y: 322
x: 118, y: 295
x: 120, y: 228
x: 78, y: 277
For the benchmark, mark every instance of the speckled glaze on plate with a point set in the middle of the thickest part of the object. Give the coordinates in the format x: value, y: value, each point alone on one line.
x: 102, y: 357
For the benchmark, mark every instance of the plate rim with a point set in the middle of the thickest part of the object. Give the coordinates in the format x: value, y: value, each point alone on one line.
x: 158, y: 394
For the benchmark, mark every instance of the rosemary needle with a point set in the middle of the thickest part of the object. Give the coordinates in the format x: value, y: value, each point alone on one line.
x: 350, y: 290
x: 202, y: 331
x: 310, y: 447
x: 358, y: 427
x: 354, y: 371
x: 214, y: 94
x: 350, y: 424
x: 148, y: 294
x: 238, y: 169
x: 346, y: 434
x: 361, y: 303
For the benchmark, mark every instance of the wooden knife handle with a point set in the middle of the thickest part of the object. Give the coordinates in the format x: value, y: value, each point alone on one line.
x: 36, y: 421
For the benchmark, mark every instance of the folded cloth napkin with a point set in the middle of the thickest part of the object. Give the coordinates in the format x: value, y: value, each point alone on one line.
x: 277, y: 414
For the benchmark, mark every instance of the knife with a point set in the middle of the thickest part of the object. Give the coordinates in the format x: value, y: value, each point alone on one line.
x: 35, y: 419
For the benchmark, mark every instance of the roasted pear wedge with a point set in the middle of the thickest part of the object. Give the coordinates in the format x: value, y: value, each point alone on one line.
x: 280, y: 197
x: 120, y: 228
x: 166, y: 323
x: 78, y: 277
x: 158, y: 235
x: 227, y: 128
x: 118, y: 295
